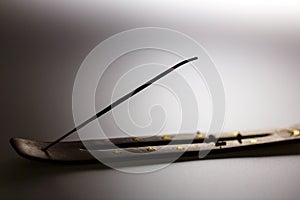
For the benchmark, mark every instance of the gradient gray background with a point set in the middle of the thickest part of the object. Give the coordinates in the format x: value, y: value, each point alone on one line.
x: 255, y: 47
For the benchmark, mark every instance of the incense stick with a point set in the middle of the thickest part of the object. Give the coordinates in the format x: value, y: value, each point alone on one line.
x: 121, y: 100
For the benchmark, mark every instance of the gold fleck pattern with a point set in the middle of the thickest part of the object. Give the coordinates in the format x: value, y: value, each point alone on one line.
x: 295, y: 132
x: 253, y: 140
x: 180, y: 148
x: 200, y: 135
x: 137, y: 139
x: 117, y: 151
x: 165, y: 137
x: 151, y: 149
